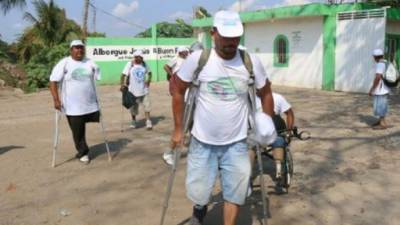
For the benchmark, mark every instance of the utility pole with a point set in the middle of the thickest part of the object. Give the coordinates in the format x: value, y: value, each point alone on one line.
x: 85, y: 18
x: 94, y: 18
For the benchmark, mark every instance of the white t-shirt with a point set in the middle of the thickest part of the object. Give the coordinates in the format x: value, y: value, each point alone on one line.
x: 280, y: 104
x: 221, y: 114
x: 381, y: 89
x: 77, y: 80
x: 137, y: 78
x: 175, y: 63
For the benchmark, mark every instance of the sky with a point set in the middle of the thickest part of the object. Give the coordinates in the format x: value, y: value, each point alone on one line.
x: 139, y: 14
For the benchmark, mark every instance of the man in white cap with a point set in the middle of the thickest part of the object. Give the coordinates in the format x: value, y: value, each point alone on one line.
x: 75, y: 76
x: 218, y: 146
x: 136, y: 76
x: 379, y: 91
x: 174, y: 64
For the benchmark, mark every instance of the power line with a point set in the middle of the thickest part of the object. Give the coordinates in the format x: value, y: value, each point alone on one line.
x: 117, y: 17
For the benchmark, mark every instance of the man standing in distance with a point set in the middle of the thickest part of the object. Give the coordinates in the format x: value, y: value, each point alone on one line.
x: 75, y: 76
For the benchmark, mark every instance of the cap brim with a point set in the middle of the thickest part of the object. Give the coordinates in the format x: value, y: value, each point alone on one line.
x: 230, y: 32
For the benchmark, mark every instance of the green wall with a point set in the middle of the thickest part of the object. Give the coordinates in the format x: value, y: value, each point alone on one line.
x: 111, y: 70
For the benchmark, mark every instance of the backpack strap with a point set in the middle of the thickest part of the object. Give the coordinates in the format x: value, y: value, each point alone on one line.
x: 247, y: 62
x: 205, y: 54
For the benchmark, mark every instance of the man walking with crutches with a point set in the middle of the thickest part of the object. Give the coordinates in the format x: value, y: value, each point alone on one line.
x: 74, y: 79
x: 220, y: 125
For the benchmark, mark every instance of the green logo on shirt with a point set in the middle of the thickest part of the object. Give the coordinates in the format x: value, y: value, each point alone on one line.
x: 227, y: 88
x: 80, y: 74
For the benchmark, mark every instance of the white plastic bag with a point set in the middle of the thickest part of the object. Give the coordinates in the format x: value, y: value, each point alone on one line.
x: 265, y: 133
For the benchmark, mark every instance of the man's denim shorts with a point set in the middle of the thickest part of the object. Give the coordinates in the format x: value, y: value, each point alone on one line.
x: 205, y: 162
x: 380, y: 105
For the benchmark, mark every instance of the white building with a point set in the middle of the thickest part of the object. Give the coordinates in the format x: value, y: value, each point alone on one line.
x: 319, y: 46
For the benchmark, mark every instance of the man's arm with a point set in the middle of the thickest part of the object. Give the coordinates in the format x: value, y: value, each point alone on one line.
x: 168, y: 69
x: 54, y: 93
x: 378, y: 77
x: 289, y: 118
x: 267, y: 102
x: 123, y: 81
x: 178, y: 105
x: 148, y: 79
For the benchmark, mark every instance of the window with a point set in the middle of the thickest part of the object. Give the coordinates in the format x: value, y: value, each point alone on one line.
x: 281, y: 51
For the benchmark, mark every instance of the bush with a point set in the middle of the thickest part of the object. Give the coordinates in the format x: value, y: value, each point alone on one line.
x: 40, y: 65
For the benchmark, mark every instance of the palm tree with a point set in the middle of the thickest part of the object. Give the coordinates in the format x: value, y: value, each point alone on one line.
x: 6, y: 5
x: 51, y: 26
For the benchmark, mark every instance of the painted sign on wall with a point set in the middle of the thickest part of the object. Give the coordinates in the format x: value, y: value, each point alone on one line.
x: 115, y: 53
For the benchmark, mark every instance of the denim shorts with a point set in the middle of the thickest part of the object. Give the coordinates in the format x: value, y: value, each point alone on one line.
x: 279, y: 142
x: 205, y: 162
x: 380, y: 105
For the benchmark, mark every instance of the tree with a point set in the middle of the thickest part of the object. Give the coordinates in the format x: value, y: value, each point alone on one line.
x: 7, y: 5
x: 51, y: 25
x: 180, y: 29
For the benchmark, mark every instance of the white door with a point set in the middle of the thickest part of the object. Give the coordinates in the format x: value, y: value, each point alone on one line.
x: 357, y: 35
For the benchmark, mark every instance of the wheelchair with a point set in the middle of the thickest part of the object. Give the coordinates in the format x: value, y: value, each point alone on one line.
x: 287, y: 163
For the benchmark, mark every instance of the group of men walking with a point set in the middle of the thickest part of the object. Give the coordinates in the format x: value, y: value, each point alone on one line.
x: 218, y: 143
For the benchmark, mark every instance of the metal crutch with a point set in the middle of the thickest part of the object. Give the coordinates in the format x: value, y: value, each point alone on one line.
x: 177, y: 155
x: 187, y: 118
x: 258, y: 152
x: 56, y: 136
x: 101, y: 122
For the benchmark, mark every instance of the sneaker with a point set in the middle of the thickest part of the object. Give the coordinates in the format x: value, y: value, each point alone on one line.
x: 133, y: 124
x: 198, y: 215
x: 168, y: 157
x: 149, y: 125
x: 85, y: 159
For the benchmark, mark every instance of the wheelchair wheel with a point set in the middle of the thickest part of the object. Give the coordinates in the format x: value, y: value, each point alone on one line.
x: 288, y: 169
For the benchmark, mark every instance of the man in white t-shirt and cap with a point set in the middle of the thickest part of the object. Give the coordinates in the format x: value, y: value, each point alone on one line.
x: 75, y: 77
x: 175, y: 64
x: 218, y: 147
x: 379, y: 91
x: 136, y: 76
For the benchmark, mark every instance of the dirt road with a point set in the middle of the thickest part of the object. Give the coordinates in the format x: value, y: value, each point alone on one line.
x: 346, y: 174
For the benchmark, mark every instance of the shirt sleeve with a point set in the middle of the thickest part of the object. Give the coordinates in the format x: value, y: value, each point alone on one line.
x: 188, y: 67
x: 172, y: 62
x: 58, y: 73
x: 283, y: 104
x: 148, y: 70
x: 380, y: 68
x: 97, y: 72
x: 259, y: 72
x: 126, y: 69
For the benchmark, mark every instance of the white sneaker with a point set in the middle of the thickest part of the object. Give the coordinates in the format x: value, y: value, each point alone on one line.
x: 149, y: 125
x: 168, y: 157
x: 133, y: 124
x: 85, y: 159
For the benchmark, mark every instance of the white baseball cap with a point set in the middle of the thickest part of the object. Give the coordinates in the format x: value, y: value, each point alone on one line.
x: 377, y: 52
x: 138, y: 53
x: 228, y: 24
x: 76, y: 43
x: 182, y: 49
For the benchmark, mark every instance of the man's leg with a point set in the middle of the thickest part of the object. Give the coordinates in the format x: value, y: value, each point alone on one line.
x: 380, y: 110
x: 235, y: 176
x: 134, y: 111
x: 147, y: 109
x: 77, y: 125
x: 202, y: 171
x: 278, y: 153
x: 231, y: 210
